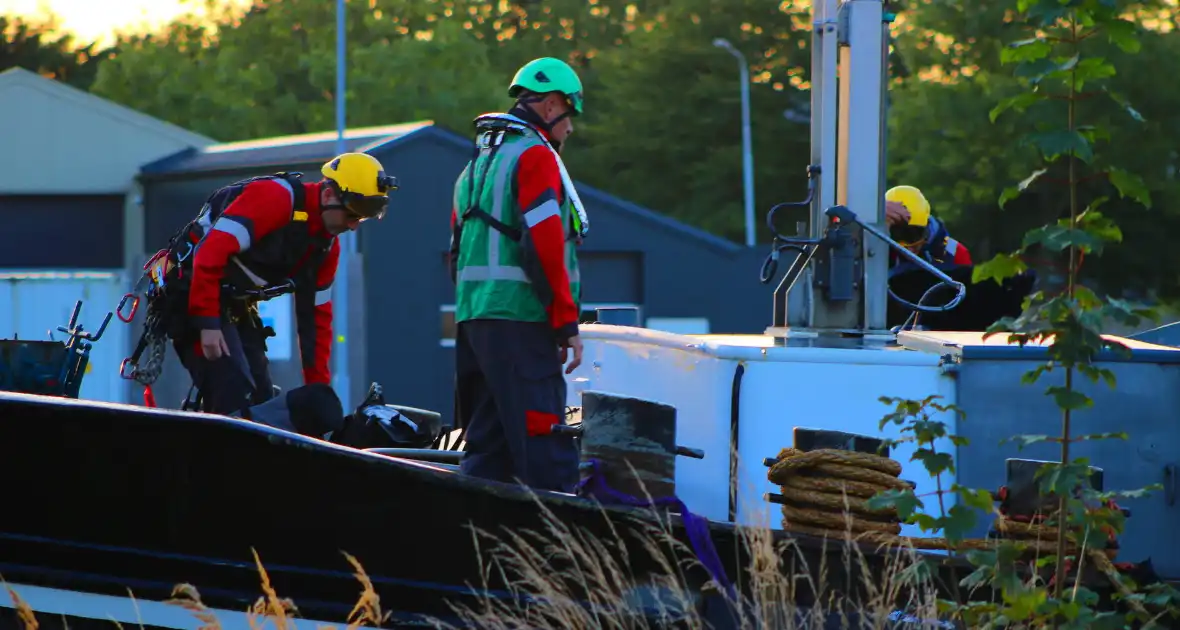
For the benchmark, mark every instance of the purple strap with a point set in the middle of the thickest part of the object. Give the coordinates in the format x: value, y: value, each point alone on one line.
x: 697, y: 528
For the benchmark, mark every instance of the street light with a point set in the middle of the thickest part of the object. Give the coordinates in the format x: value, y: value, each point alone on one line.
x: 747, y: 151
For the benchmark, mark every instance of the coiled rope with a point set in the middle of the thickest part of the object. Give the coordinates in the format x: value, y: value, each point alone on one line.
x: 825, y: 493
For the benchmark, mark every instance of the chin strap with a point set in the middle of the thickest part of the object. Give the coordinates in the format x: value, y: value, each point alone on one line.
x: 520, y: 124
x: 532, y: 118
x: 338, y: 204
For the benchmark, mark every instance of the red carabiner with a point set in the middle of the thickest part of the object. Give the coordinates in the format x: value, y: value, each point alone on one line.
x: 123, y: 369
x: 154, y: 258
x: 134, y: 307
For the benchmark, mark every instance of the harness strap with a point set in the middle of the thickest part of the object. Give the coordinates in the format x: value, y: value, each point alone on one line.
x: 494, y: 139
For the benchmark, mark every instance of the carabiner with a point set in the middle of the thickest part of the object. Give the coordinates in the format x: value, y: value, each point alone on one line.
x: 134, y: 308
x: 154, y: 258
x: 188, y: 252
x: 123, y: 369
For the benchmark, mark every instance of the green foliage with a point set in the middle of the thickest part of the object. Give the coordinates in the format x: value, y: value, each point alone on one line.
x: 1055, y: 65
x: 38, y: 45
x: 920, y: 420
x: 665, y: 133
x: 269, y: 72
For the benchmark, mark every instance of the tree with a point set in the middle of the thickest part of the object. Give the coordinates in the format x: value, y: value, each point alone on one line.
x: 663, y: 115
x: 40, y: 46
x: 664, y: 128
x: 272, y: 71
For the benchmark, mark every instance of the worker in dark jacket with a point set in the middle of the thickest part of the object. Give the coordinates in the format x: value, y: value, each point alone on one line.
x: 516, y: 222
x: 907, y: 212
x: 255, y: 239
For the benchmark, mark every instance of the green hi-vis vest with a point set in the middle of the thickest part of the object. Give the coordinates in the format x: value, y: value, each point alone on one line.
x: 495, y: 277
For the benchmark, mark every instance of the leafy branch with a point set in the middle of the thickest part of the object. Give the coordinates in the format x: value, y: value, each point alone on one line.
x: 925, y: 431
x: 1055, y: 68
x: 1059, y: 69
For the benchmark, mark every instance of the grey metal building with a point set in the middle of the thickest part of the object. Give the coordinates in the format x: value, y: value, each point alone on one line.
x: 681, y: 278
x: 71, y: 213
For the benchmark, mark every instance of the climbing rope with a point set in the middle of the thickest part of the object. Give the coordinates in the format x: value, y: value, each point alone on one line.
x: 825, y: 493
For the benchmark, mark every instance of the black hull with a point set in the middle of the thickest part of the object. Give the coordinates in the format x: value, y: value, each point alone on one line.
x: 102, y: 498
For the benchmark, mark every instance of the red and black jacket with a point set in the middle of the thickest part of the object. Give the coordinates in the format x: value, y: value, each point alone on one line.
x: 263, y: 232
x: 940, y: 249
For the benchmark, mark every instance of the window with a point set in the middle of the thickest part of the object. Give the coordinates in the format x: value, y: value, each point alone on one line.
x: 446, y: 325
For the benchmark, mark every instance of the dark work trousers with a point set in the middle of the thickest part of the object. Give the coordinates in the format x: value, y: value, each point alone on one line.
x: 235, y: 382
x: 508, y: 376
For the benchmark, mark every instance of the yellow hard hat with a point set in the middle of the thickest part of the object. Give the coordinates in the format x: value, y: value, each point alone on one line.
x: 914, y: 201
x: 361, y: 182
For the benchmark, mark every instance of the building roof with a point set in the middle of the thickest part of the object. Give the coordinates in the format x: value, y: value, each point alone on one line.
x: 285, y: 151
x: 590, y: 193
x: 278, y: 151
x: 14, y: 78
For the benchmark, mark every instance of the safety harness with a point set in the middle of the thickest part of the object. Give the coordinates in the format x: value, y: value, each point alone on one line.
x: 491, y: 132
x: 166, y: 277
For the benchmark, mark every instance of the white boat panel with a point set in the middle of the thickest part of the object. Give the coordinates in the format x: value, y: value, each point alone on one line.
x: 781, y: 388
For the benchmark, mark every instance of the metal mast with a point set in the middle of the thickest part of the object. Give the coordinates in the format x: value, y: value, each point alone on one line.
x: 845, y: 290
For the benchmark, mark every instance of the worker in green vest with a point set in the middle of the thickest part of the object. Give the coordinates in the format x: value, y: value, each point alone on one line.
x: 515, y: 224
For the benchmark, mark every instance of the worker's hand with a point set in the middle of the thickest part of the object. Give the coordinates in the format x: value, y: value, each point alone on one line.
x: 574, y: 342
x: 896, y: 213
x: 213, y: 344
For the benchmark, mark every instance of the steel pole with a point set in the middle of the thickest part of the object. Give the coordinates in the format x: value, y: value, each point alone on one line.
x: 747, y: 141
x: 747, y: 152
x: 340, y: 306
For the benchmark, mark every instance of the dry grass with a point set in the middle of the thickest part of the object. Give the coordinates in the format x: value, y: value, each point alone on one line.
x: 565, y: 578
x: 23, y: 612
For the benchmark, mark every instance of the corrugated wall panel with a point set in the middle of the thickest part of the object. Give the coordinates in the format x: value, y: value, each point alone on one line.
x: 34, y: 304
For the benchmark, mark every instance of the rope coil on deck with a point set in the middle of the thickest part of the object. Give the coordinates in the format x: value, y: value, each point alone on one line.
x: 825, y: 493
x: 821, y: 489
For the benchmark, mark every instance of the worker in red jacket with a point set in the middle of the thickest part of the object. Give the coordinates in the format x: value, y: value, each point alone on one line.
x: 907, y: 212
x: 253, y: 240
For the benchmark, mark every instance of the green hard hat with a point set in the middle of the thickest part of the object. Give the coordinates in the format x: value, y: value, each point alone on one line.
x: 546, y: 75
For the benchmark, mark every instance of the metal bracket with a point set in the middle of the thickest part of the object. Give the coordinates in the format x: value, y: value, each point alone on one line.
x: 842, y: 265
x: 843, y: 29
x: 844, y: 215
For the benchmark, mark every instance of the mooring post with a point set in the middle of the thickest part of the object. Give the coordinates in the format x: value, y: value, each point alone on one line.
x: 814, y: 439
x: 633, y: 441
x: 1021, y: 496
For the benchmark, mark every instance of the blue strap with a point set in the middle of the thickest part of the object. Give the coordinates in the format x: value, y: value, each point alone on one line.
x: 594, y: 485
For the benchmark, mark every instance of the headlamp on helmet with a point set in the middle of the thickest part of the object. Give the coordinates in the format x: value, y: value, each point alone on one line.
x: 362, y: 185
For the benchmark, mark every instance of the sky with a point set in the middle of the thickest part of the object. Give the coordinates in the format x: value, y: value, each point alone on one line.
x: 97, y: 19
